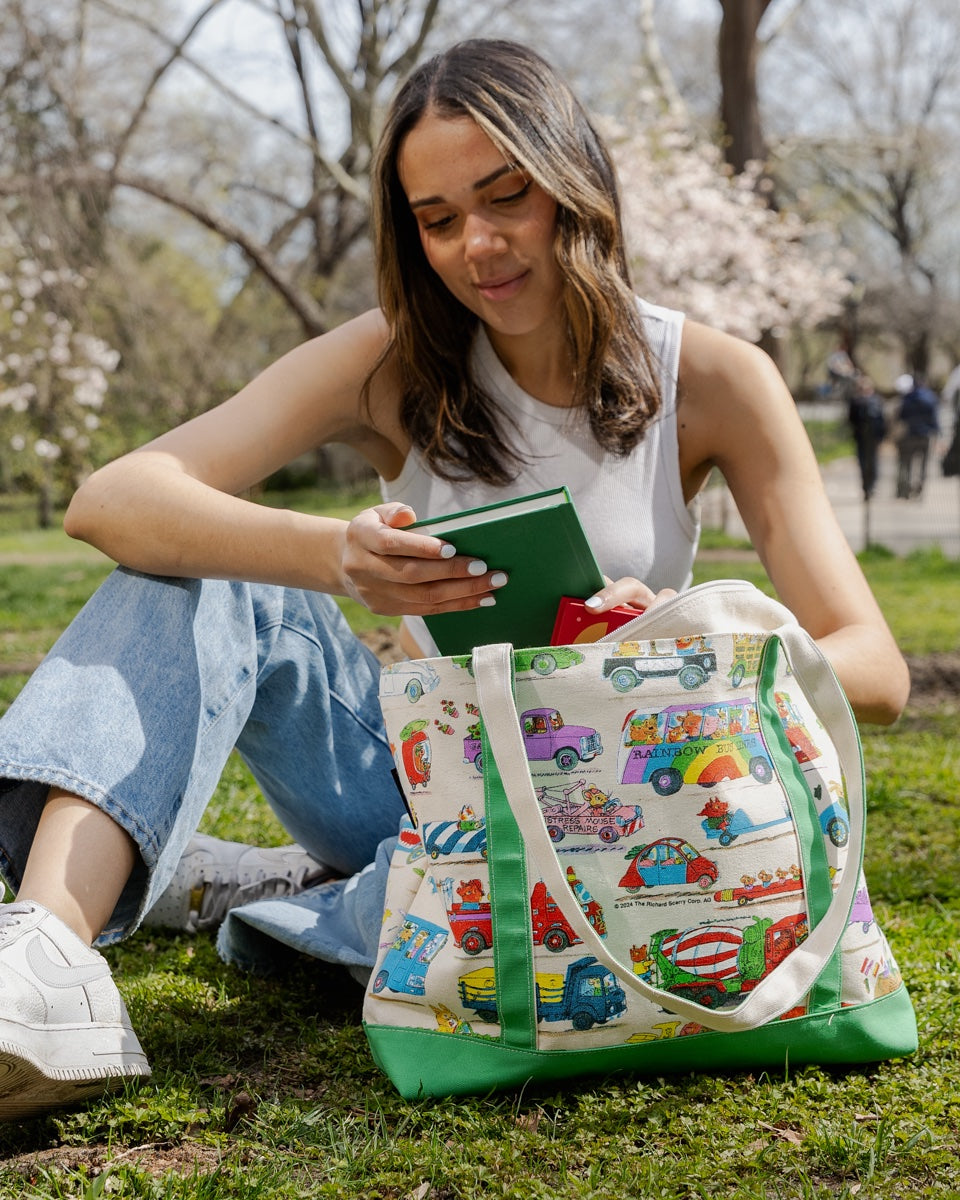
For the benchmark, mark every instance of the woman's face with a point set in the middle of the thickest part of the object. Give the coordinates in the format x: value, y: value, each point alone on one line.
x: 486, y: 228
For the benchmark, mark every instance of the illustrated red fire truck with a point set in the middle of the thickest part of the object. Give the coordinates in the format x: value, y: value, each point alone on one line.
x: 472, y: 922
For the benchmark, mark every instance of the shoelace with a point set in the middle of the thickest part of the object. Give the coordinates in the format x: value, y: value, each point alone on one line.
x: 11, y: 913
x: 213, y: 899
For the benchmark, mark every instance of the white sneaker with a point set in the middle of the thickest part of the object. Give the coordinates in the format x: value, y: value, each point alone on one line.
x: 214, y: 876
x: 64, y: 1031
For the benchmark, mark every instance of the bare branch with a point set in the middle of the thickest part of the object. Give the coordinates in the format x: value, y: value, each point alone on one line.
x: 341, y: 177
x: 176, y: 52
x: 407, y: 58
x: 789, y: 16
x: 307, y: 310
x: 656, y: 64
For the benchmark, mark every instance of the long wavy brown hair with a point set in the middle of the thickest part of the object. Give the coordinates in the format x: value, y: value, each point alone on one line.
x: 531, y: 114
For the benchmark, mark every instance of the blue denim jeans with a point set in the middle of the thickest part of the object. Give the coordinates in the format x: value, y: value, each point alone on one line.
x: 140, y: 702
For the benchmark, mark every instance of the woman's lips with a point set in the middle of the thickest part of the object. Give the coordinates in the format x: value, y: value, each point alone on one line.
x: 503, y: 288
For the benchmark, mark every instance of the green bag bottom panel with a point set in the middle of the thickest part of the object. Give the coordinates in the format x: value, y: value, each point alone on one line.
x: 426, y: 1063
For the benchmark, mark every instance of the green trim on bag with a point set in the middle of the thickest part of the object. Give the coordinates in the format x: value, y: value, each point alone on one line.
x: 510, y: 911
x: 429, y: 1063
x: 816, y: 871
x: 825, y: 994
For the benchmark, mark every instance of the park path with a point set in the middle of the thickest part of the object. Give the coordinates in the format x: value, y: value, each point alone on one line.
x: 900, y: 525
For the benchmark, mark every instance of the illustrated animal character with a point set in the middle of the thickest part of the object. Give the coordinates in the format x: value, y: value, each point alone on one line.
x: 595, y: 797
x: 470, y: 893
x: 644, y: 732
x: 717, y: 813
x: 688, y: 726
x: 642, y: 962
x: 448, y: 1021
x: 468, y: 819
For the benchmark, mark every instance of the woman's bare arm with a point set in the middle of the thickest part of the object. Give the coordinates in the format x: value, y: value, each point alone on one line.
x: 737, y: 414
x: 173, y: 507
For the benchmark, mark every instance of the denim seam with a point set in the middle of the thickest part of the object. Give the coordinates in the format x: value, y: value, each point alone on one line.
x: 379, y: 734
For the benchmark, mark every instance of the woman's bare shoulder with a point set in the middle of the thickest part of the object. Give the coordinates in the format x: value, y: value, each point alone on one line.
x: 715, y: 364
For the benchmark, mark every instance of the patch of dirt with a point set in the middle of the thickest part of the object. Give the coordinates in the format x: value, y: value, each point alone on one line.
x: 154, y: 1158
x: 934, y: 679
x: 383, y: 642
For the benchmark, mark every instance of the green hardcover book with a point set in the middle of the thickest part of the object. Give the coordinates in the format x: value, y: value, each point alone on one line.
x: 539, y: 542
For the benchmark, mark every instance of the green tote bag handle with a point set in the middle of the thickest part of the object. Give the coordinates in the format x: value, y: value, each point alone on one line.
x: 713, y: 608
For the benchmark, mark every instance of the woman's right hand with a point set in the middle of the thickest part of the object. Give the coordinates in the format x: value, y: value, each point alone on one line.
x: 396, y: 572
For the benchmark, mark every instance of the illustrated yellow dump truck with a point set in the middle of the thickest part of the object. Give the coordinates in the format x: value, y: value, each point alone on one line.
x: 587, y: 994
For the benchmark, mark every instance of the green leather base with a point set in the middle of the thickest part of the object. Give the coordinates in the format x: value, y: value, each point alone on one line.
x: 430, y: 1063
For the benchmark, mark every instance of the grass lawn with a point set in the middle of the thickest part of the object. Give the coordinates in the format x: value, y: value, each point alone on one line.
x: 265, y: 1088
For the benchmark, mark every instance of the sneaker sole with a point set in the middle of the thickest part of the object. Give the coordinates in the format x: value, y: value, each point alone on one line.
x: 28, y: 1086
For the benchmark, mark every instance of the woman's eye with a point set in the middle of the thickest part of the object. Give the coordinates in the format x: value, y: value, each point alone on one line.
x: 514, y: 196
x: 437, y: 223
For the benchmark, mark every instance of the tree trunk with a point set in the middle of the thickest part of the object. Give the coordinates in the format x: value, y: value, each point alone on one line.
x: 738, y: 52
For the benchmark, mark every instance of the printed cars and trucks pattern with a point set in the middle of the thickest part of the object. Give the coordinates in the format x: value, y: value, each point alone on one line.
x: 704, y: 744
x: 411, y: 678
x: 546, y: 736
x: 716, y: 963
x: 586, y: 994
x: 667, y: 862
x: 543, y: 660
x: 596, y: 814
x: 629, y: 665
x: 673, y: 819
x: 472, y: 924
x: 405, y: 965
x: 455, y: 838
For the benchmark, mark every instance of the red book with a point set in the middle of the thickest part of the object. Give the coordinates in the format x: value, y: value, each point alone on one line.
x: 576, y: 623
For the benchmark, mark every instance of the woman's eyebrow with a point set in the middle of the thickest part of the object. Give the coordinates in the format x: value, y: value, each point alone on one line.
x: 478, y: 186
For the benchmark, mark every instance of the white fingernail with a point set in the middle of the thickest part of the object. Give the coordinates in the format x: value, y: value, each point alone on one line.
x: 498, y: 579
x: 477, y: 567
x: 448, y: 551
x: 593, y: 602
x: 487, y: 602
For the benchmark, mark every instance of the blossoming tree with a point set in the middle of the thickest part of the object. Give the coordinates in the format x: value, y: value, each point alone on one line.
x: 705, y: 240
x: 53, y: 376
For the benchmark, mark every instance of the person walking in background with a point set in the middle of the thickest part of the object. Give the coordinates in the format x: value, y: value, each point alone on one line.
x: 950, y: 463
x: 869, y: 427
x: 920, y: 423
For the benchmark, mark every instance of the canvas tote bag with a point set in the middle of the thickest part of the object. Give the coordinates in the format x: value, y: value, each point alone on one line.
x: 641, y: 854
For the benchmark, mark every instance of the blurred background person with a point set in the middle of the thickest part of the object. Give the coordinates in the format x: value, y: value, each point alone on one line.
x: 919, y: 425
x: 869, y: 427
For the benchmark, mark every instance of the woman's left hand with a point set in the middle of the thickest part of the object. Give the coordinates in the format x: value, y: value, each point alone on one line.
x: 627, y: 591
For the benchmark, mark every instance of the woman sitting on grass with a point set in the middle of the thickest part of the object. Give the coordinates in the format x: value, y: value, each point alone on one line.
x: 509, y: 355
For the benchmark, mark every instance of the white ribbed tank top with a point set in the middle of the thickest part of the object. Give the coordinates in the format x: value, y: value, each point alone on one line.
x: 632, y: 508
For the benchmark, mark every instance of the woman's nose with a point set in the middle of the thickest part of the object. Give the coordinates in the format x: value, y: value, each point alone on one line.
x: 482, y: 237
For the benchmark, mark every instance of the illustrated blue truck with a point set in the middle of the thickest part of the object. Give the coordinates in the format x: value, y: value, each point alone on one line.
x: 405, y: 965
x: 587, y: 995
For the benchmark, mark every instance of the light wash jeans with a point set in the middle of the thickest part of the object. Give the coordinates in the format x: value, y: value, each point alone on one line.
x: 137, y: 707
